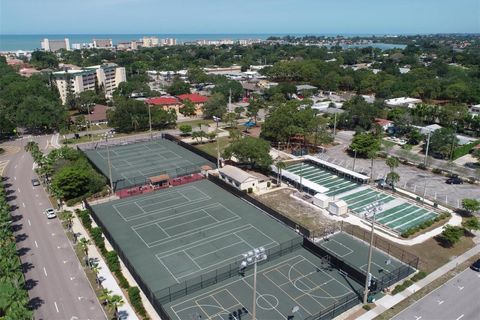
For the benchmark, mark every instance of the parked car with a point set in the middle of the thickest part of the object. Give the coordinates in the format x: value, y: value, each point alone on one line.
x: 476, y: 266
x: 454, y: 180
x: 50, y: 213
x: 35, y: 182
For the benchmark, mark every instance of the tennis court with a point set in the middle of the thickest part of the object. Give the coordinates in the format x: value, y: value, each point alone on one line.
x: 132, y: 164
x: 298, y: 279
x: 180, y: 233
x: 323, y: 177
x: 398, y: 215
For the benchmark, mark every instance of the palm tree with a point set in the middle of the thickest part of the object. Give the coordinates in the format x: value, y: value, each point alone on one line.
x: 83, y: 243
x: 112, y: 301
x: 96, y: 270
x: 392, y: 178
x: 280, y: 165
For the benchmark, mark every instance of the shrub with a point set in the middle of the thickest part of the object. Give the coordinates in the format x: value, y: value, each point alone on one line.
x: 249, y: 190
x: 419, y: 276
x: 136, y: 300
x: 422, y: 166
x: 401, y: 287
x: 85, y: 218
x: 367, y: 307
x: 112, y: 261
x: 437, y: 171
x: 269, y: 184
x: 122, y: 281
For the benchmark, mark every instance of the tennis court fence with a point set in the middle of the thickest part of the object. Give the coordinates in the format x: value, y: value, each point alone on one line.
x: 189, y: 147
x: 112, y: 142
x: 305, y: 232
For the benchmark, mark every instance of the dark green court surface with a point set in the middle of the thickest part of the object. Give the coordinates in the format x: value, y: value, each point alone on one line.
x: 132, y: 164
x: 176, y: 234
x: 298, y: 279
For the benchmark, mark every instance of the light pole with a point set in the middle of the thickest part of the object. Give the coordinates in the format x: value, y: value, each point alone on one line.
x: 354, y: 159
x: 371, y: 210
x: 109, y: 163
x: 217, y: 120
x: 249, y: 258
x: 426, y: 150
x: 89, y: 122
x: 150, y: 119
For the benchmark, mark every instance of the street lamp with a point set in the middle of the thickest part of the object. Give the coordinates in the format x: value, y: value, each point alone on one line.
x: 108, y: 135
x: 371, y: 210
x: 217, y: 120
x: 150, y: 120
x: 249, y: 258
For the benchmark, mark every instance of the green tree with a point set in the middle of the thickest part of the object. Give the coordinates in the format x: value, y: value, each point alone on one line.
x: 471, y: 224
x: 71, y: 182
x: 231, y: 119
x: 83, y: 243
x: 188, y: 109
x: 441, y: 142
x: 186, y: 129
x: 280, y: 165
x: 40, y: 114
x: 471, y: 205
x: 238, y: 111
x: 254, y: 151
x: 216, y: 106
x: 178, y: 87
x: 44, y: 60
x: 365, y: 144
x: 451, y: 235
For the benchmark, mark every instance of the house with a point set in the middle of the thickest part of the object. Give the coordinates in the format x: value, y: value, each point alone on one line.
x: 384, y: 123
x: 98, y: 114
x: 474, y: 110
x: 403, y: 102
x: 165, y: 102
x: 197, y: 99
x: 302, y: 88
x: 243, y: 180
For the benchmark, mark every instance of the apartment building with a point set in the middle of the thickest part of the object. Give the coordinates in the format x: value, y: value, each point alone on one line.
x: 107, y: 77
x: 149, y: 42
x: 103, y: 43
x: 54, y: 45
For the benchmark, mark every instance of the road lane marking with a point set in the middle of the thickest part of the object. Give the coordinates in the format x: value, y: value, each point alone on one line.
x: 15, y: 167
x: 40, y: 203
x: 72, y: 278
x: 18, y: 190
x: 460, y: 288
x: 45, y: 271
x: 56, y: 307
x: 29, y: 222
x: 37, y: 195
x: 23, y: 204
x: 418, y: 317
x: 460, y: 317
x: 15, y: 178
x: 36, y: 244
x: 53, y: 234
x: 440, y: 302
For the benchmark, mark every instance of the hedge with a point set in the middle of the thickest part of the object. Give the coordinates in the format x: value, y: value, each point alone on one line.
x: 463, y: 150
x: 112, y: 261
x: 136, y: 301
x: 401, y: 287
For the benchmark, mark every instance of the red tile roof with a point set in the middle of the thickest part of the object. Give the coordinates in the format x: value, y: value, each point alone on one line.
x: 195, y: 98
x: 382, y: 122
x: 161, y: 101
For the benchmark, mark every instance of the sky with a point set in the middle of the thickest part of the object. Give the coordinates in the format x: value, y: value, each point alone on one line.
x: 239, y: 16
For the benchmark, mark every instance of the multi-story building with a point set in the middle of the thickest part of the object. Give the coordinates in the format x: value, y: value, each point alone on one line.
x: 104, y: 77
x: 103, y: 43
x: 55, y: 44
x: 169, y: 42
x: 149, y: 42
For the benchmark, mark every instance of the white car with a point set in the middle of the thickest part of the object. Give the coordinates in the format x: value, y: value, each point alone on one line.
x: 50, y: 213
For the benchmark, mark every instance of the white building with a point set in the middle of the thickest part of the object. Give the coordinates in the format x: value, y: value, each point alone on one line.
x: 403, y: 102
x: 103, y: 43
x: 107, y: 76
x: 149, y: 42
x: 55, y: 44
x: 243, y: 180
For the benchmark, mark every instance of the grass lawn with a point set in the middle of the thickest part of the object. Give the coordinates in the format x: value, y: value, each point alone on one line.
x: 211, y: 147
x: 195, y: 122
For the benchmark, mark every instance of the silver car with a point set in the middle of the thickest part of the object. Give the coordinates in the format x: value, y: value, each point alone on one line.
x: 50, y: 213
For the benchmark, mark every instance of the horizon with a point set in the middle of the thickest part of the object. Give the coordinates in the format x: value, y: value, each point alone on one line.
x: 373, y: 17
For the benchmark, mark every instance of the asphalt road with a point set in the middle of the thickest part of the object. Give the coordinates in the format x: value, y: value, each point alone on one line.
x: 58, y: 287
x: 457, y: 299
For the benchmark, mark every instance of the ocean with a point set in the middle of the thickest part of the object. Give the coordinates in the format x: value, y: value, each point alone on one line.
x: 32, y: 42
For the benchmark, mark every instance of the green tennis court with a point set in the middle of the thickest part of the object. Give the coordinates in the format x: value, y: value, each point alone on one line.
x: 132, y: 164
x: 298, y: 279
x: 323, y: 177
x: 180, y: 233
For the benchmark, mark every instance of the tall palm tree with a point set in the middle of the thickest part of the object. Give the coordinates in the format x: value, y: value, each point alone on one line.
x: 112, y: 301
x: 96, y: 270
x: 392, y: 176
x: 280, y: 165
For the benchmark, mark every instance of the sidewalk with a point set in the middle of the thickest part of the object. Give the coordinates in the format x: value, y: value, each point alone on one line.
x: 389, y: 301
x: 108, y: 281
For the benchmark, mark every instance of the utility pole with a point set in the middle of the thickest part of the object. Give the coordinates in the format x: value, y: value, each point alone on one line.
x: 109, y: 164
x: 426, y: 150
x: 150, y: 120
x: 354, y: 159
x: 230, y: 101
x: 334, y: 126
x: 217, y: 120
x: 372, y: 210
x: 89, y: 123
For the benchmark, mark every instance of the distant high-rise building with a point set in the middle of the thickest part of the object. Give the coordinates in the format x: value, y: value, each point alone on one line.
x: 169, y: 42
x: 149, y: 42
x: 103, y: 43
x: 106, y: 77
x: 55, y: 45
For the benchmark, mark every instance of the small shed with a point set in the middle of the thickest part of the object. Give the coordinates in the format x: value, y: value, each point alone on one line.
x: 338, y: 208
x: 321, y: 200
x: 160, y: 180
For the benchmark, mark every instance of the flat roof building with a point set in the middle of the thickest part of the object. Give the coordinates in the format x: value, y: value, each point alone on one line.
x: 54, y: 45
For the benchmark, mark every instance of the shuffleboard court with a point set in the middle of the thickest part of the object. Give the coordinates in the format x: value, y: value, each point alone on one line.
x: 177, y: 234
x: 133, y: 164
x: 298, y: 279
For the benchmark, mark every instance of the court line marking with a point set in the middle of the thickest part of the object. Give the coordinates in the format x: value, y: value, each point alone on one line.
x: 324, y: 244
